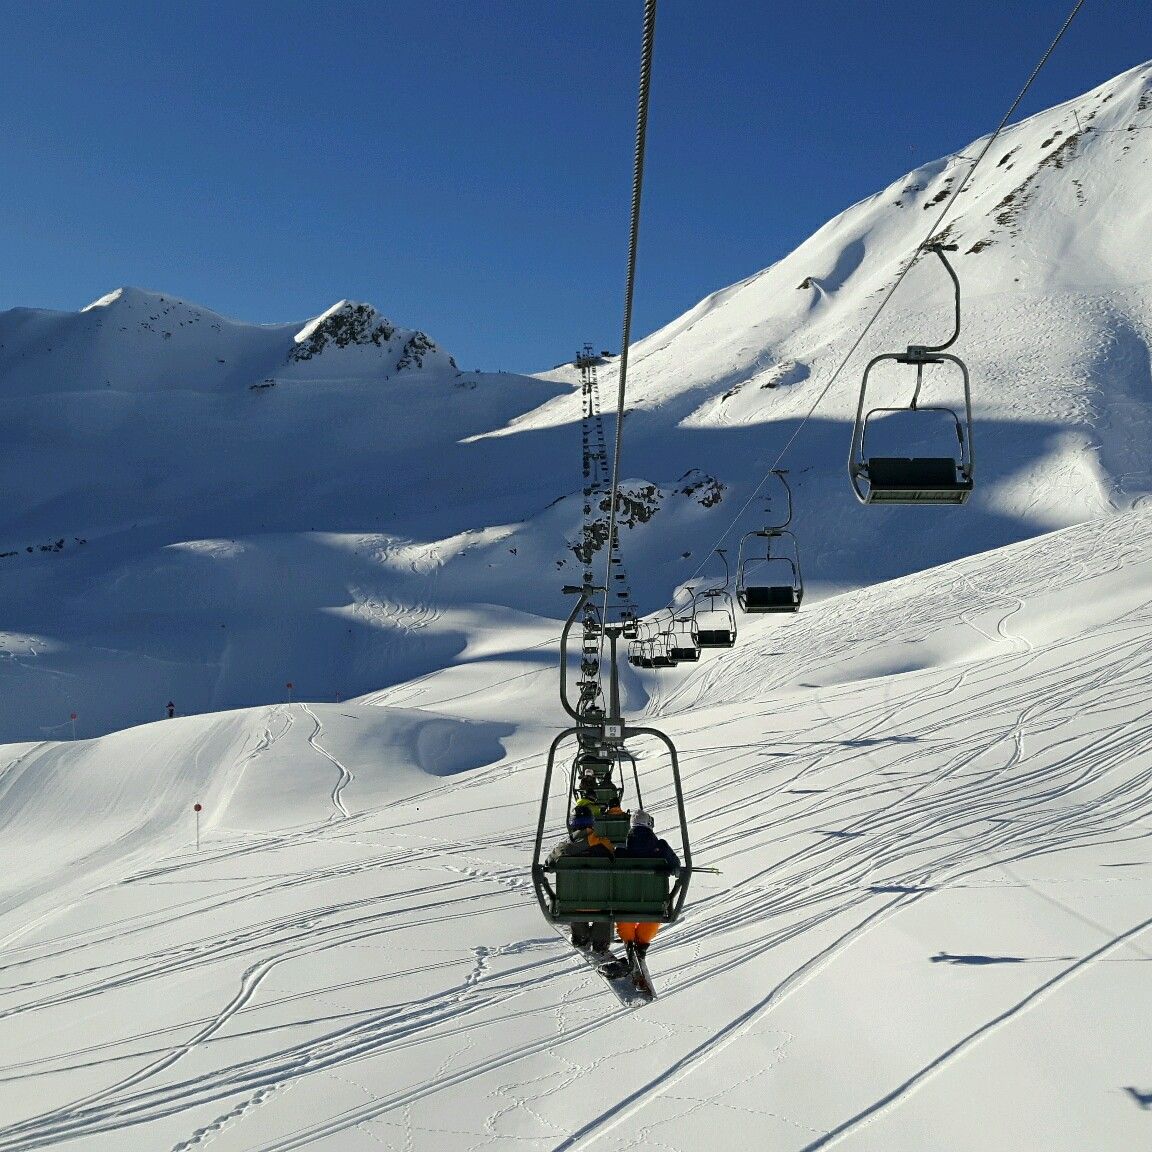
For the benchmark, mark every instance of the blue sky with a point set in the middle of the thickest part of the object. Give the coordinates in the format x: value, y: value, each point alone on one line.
x: 466, y: 165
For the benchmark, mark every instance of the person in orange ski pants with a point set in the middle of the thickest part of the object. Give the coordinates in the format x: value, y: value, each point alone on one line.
x: 643, y: 843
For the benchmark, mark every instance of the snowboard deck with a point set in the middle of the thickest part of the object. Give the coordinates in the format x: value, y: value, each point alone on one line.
x: 622, y: 981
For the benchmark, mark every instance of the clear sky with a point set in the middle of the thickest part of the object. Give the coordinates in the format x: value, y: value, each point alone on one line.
x: 466, y: 165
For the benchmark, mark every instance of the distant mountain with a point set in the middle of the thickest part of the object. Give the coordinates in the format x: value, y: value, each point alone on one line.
x: 131, y: 340
x: 201, y: 509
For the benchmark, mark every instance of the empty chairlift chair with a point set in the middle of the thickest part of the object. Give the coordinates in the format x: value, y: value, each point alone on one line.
x: 644, y: 657
x: 684, y: 642
x: 662, y: 651
x: 768, y: 572
x: 715, y: 619
x: 768, y: 580
x: 921, y: 479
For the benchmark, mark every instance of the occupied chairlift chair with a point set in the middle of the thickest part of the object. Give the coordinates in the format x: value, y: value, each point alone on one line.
x: 583, y: 889
x: 608, y: 792
x: 768, y: 575
x: 917, y: 479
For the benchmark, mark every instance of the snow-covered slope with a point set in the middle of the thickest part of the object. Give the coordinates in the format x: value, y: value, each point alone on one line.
x: 203, y: 510
x: 209, y: 465
x: 1056, y: 320
x: 930, y: 803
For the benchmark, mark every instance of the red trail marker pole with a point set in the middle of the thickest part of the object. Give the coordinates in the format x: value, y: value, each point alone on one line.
x: 197, y: 808
x: 73, y: 719
x: 289, y: 687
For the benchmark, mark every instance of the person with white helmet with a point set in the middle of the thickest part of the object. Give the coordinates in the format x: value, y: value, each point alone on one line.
x: 643, y: 843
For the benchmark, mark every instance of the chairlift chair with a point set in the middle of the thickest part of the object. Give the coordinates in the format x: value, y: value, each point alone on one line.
x: 587, y: 889
x: 768, y: 574
x: 684, y: 644
x: 714, y: 619
x: 767, y: 581
x: 915, y: 479
x: 604, y: 793
x: 662, y: 651
x: 644, y: 651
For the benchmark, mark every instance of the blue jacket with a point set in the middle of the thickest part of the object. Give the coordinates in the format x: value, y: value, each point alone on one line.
x: 643, y: 843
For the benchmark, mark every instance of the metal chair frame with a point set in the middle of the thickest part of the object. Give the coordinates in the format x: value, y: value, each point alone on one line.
x: 916, y: 479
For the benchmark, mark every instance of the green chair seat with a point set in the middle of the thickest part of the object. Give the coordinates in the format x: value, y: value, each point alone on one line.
x: 715, y: 638
x: 606, y: 796
x: 780, y: 598
x: 596, y: 888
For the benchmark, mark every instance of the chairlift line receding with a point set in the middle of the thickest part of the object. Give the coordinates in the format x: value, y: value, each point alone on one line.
x: 583, y: 889
x: 916, y: 479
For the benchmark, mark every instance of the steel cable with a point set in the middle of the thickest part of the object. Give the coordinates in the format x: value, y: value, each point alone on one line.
x: 633, y: 240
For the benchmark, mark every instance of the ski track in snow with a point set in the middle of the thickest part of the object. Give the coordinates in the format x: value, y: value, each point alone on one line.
x: 897, y: 845
x: 346, y: 777
x: 382, y: 613
x: 982, y: 828
x: 893, y: 1098
x: 118, y: 1105
x: 939, y: 819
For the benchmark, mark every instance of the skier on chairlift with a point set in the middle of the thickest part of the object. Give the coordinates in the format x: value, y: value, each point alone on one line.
x: 583, y: 841
x: 643, y: 843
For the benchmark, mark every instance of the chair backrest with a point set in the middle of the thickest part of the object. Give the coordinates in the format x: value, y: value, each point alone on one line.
x: 777, y: 598
x: 614, y: 828
x: 916, y: 480
x: 912, y: 472
x: 598, y: 766
x: 715, y: 638
x: 595, y: 888
x: 606, y: 795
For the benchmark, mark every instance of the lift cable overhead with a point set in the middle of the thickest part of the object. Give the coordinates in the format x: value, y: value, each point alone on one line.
x: 630, y: 284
